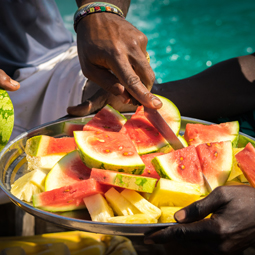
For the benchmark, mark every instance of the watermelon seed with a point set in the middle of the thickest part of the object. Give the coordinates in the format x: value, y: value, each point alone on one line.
x: 148, y: 129
x: 182, y: 166
x: 120, y: 148
x: 208, y: 144
x: 101, y: 140
x: 98, y: 132
x: 181, y: 158
x: 190, y: 140
x: 106, y: 127
x: 67, y: 190
x: 107, y: 151
x: 127, y: 153
x: 215, y: 153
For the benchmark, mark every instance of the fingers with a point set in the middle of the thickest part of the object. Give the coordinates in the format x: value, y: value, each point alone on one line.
x: 107, y: 81
x: 7, y: 83
x: 134, y: 79
x: 201, y: 230
x: 202, y: 208
x: 91, y: 105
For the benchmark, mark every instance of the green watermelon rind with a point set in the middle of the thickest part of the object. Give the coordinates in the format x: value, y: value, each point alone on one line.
x: 59, y: 208
x: 36, y: 144
x: 135, y: 164
x: 6, y: 118
x: 173, y: 111
x: 124, y: 180
x: 244, y: 140
x: 167, y: 171
x: 122, y: 119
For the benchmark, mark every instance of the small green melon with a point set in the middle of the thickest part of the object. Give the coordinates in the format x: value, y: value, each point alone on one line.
x: 6, y: 118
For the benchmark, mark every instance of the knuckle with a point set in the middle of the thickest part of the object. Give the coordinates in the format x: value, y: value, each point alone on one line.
x: 143, y: 38
x: 133, y: 81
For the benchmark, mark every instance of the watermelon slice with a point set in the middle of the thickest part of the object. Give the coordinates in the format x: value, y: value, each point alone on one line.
x: 144, y: 135
x: 181, y: 165
x: 44, y: 151
x: 107, y: 119
x: 216, y: 160
x: 199, y: 133
x: 43, y: 145
x: 124, y: 180
x: 68, y: 197
x: 6, y: 118
x: 246, y: 161
x: 149, y: 170
x: 67, y: 171
x: 108, y: 150
x: 70, y: 126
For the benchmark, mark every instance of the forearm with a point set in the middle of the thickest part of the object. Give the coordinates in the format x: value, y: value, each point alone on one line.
x: 122, y: 4
x: 223, y: 90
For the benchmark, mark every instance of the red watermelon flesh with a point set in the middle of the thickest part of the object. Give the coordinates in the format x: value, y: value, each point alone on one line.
x: 143, y: 134
x: 58, y: 145
x: 43, y: 145
x: 180, y: 165
x: 199, y: 133
x: 246, y: 161
x: 149, y: 170
x: 68, y: 197
x: 107, y: 119
x: 216, y: 160
x: 68, y: 170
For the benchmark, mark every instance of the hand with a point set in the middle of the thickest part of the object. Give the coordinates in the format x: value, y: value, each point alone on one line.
x: 7, y: 83
x: 230, y: 230
x: 112, y: 53
x: 98, y: 101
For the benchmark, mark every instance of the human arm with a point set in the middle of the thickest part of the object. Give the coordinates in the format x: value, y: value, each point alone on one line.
x: 222, y: 90
x: 112, y: 53
x: 7, y: 83
x: 230, y: 230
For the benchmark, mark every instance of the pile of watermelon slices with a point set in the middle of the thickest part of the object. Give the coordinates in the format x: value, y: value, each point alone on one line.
x: 124, y: 171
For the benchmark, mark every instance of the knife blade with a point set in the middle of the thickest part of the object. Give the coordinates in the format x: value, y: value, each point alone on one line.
x: 165, y: 130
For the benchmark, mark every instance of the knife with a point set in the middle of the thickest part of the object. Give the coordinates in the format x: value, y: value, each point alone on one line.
x: 165, y: 130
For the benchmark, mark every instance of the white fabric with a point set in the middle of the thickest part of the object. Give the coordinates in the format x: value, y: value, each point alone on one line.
x: 47, y: 90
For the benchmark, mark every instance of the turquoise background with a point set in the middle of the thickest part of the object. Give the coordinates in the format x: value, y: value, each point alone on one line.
x: 187, y: 36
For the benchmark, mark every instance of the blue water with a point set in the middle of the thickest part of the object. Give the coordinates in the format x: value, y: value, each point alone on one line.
x: 187, y: 36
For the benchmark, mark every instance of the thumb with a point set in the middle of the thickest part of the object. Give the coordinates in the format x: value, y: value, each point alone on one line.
x: 200, y: 209
x: 91, y: 105
x: 7, y: 83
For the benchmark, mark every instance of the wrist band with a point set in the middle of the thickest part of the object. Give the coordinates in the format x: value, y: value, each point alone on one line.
x: 95, y: 7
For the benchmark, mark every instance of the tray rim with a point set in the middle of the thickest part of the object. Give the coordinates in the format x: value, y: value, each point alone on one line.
x: 100, y: 227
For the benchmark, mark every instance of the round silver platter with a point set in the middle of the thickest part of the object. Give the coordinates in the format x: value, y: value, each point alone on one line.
x: 13, y: 165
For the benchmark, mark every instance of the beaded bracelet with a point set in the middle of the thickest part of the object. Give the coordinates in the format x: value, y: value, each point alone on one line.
x: 95, y: 7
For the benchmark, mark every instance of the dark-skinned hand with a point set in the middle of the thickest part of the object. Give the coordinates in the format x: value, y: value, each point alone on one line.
x: 112, y: 53
x: 230, y: 230
x: 7, y: 83
x: 98, y: 101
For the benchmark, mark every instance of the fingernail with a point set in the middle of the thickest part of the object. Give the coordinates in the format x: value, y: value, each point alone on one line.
x: 156, y: 102
x: 13, y: 82
x: 180, y: 215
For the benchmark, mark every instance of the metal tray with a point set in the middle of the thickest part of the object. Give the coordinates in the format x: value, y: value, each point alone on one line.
x: 13, y: 165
